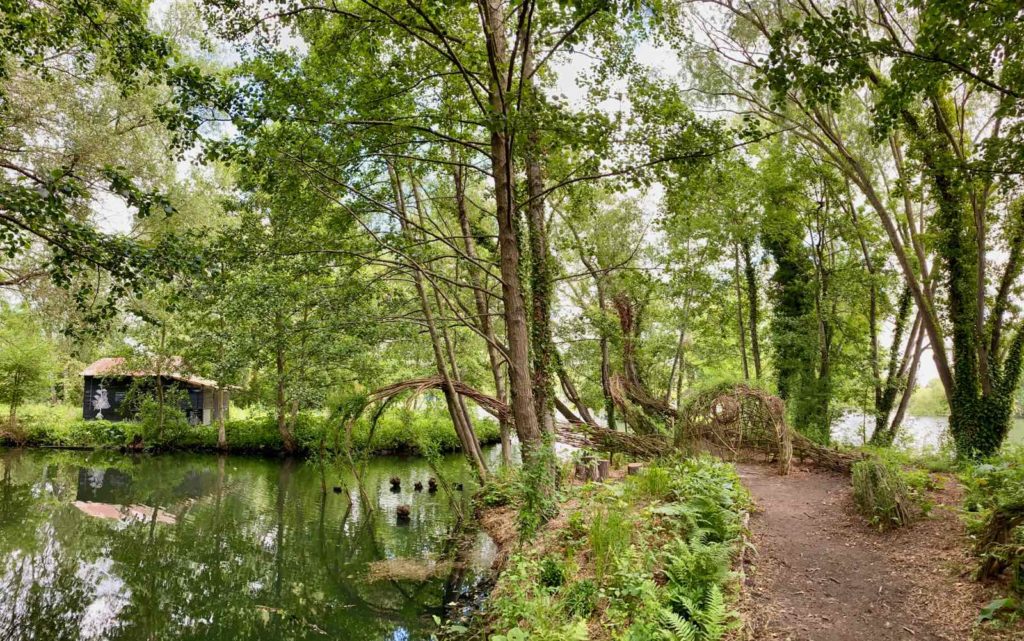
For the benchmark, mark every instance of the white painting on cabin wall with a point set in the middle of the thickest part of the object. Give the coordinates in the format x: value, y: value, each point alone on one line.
x: 100, y: 402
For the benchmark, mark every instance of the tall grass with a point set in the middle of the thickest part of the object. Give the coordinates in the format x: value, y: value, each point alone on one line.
x: 608, y: 537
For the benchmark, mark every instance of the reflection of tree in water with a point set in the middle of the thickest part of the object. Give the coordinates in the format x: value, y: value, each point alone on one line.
x: 257, y: 552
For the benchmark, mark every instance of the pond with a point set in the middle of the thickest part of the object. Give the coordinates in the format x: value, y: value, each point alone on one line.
x: 184, y: 546
x: 918, y: 432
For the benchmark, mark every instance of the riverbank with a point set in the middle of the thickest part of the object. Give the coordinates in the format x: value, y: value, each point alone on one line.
x: 397, y: 432
x: 636, y: 558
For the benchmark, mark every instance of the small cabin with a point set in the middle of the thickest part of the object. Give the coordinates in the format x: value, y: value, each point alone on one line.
x: 108, y: 381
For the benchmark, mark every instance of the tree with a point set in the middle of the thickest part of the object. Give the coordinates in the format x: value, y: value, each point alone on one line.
x: 905, y: 100
x: 26, y: 363
x: 64, y: 61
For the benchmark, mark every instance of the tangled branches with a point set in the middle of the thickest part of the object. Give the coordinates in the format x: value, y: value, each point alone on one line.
x: 737, y: 418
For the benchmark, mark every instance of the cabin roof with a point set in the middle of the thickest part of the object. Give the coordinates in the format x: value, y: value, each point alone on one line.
x: 115, y: 366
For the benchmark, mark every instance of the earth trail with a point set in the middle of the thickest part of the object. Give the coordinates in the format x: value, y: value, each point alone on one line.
x: 822, y: 574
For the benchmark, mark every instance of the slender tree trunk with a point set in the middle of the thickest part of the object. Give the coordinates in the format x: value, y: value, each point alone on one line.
x: 524, y: 411
x: 222, y: 433
x: 753, y: 308
x: 494, y: 356
x: 908, y: 389
x: 541, y: 282
x: 467, y: 438
x: 287, y: 439
x: 739, y: 312
x: 160, y: 385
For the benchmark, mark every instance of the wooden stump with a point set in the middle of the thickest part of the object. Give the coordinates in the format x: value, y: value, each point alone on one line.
x: 604, y: 469
x: 633, y: 469
x: 403, y: 514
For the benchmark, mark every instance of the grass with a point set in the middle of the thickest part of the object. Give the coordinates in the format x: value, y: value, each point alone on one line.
x: 399, y: 431
x: 646, y: 558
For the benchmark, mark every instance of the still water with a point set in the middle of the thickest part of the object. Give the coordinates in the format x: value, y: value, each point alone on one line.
x: 919, y: 433
x: 104, y: 546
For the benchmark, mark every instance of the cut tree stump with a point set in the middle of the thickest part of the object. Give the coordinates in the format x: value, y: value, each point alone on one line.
x: 603, y: 470
x: 632, y: 469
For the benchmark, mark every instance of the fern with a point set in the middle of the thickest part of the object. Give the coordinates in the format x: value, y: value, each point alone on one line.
x: 713, y: 615
x: 676, y: 628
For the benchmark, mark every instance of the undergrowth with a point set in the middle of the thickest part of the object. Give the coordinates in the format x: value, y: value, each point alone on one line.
x: 994, y: 511
x: 647, y: 558
x: 888, y: 496
x: 400, y: 431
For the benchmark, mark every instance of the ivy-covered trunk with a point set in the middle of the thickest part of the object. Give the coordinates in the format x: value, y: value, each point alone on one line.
x: 985, y: 373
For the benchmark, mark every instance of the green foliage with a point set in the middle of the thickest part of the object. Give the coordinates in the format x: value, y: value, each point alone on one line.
x: 653, y: 482
x: 539, y: 480
x: 552, y: 572
x: 26, y: 362
x: 994, y: 504
x: 929, y: 400
x: 394, y: 434
x: 683, y: 523
x: 503, y: 487
x: 162, y: 423
x: 580, y: 598
x: 882, y: 495
x: 609, y: 535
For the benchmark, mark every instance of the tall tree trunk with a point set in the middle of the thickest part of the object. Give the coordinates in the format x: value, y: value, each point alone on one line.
x: 524, y: 411
x: 739, y: 311
x: 494, y: 356
x: 541, y: 282
x: 753, y: 307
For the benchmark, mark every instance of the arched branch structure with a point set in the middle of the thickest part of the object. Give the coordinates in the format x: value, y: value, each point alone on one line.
x: 734, y: 420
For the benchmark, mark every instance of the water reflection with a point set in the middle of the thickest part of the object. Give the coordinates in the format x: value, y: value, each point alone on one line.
x: 100, y: 546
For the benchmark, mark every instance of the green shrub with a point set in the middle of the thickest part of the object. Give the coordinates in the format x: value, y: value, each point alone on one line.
x: 653, y: 482
x: 689, y: 537
x: 397, y: 431
x: 580, y: 598
x: 502, y: 488
x: 552, y: 572
x: 881, y: 493
x: 575, y: 527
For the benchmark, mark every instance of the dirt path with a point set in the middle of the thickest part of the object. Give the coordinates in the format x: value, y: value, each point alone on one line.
x: 821, y: 574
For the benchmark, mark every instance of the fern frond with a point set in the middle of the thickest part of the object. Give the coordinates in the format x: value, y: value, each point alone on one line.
x: 713, y: 615
x: 676, y: 628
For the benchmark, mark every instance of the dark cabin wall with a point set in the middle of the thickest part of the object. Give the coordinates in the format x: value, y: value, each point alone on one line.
x: 117, y: 387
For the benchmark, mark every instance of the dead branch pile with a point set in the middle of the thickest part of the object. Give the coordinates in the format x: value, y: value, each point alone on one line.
x: 728, y: 420
x: 603, y: 439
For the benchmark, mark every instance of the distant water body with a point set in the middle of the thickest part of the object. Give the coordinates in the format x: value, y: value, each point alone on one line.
x: 918, y: 433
